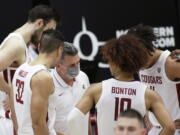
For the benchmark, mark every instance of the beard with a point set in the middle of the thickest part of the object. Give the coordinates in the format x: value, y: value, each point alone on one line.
x: 35, y: 38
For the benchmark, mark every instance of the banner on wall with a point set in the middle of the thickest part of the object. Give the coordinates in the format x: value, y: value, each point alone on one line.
x: 89, y: 24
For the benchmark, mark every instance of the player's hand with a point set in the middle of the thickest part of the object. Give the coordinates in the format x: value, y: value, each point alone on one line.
x: 6, y: 104
x: 175, y: 53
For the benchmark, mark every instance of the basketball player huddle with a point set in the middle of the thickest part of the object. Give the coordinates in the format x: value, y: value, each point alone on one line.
x: 44, y: 92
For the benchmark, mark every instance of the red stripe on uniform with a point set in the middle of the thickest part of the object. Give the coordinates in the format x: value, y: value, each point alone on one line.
x: 12, y: 74
x: 5, y: 74
x: 178, y: 92
x: 7, y: 113
x: 116, y: 108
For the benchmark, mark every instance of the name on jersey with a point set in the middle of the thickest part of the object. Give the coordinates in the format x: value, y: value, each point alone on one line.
x: 151, y: 79
x: 126, y: 91
x: 23, y: 73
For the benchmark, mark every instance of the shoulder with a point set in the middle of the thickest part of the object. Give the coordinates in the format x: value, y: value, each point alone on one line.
x: 42, y: 76
x: 172, y: 68
x: 14, y: 44
x: 94, y: 89
x: 42, y: 79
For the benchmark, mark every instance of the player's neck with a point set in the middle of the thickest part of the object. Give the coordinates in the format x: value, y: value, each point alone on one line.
x: 26, y: 31
x: 127, y: 77
x: 43, y: 59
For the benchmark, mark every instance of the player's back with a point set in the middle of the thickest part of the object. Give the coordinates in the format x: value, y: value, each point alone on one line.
x: 22, y: 96
x: 117, y: 96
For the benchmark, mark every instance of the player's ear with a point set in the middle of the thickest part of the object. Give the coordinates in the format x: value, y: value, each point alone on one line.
x: 39, y: 23
x: 59, y: 52
x: 38, y: 47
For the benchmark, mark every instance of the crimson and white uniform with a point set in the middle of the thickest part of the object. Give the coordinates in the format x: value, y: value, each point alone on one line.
x: 117, y: 96
x: 155, y: 77
x: 6, y: 127
x: 22, y: 96
x: 66, y: 98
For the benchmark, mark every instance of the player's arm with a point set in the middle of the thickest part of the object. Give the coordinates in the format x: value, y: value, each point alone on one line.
x: 155, y: 104
x: 13, y: 114
x: 172, y: 67
x: 77, y: 115
x: 4, y: 86
x: 10, y: 52
x: 42, y: 86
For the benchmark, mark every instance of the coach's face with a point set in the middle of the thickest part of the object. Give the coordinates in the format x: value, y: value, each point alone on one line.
x: 69, y: 67
x: 129, y: 126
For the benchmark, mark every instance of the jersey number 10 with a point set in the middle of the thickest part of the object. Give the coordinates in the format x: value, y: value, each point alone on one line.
x: 20, y: 90
x: 119, y: 106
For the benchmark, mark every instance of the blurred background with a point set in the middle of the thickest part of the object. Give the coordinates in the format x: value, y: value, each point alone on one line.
x: 89, y: 23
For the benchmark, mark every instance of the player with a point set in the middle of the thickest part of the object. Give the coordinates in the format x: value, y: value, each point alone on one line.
x: 33, y: 85
x: 162, y: 74
x: 125, y: 57
x: 13, y: 50
x: 130, y: 122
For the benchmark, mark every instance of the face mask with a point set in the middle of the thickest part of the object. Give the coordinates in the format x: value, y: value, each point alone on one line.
x: 72, y: 72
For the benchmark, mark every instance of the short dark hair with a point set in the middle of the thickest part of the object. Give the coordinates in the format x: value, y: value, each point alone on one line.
x: 146, y: 35
x: 69, y: 49
x: 43, y: 12
x: 131, y: 113
x: 127, y: 53
x: 50, y: 41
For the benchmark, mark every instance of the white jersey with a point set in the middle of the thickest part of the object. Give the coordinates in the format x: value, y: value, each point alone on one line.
x: 32, y: 53
x: 3, y: 96
x: 67, y: 98
x: 117, y: 96
x: 155, y: 77
x: 9, y: 72
x: 22, y: 96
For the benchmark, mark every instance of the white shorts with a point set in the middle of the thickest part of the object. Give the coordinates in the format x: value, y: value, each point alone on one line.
x: 6, y: 126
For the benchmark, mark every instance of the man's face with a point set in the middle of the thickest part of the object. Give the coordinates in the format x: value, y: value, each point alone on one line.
x: 69, y: 66
x: 129, y: 126
x: 149, y: 62
x: 36, y: 36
